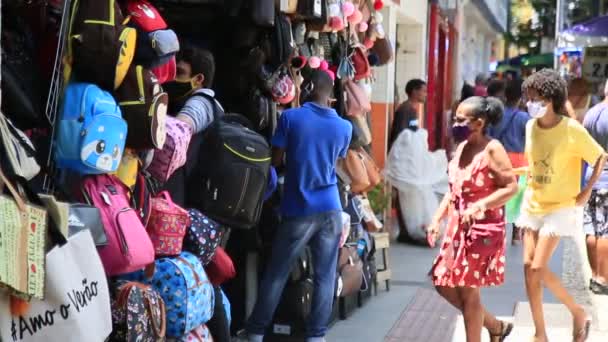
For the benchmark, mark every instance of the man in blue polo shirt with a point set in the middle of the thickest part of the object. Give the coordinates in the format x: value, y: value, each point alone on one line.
x: 312, y: 138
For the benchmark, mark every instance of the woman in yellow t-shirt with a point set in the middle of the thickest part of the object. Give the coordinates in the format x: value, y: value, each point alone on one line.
x: 553, y: 202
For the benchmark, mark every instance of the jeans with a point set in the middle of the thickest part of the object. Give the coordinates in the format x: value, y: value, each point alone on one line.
x: 323, y: 232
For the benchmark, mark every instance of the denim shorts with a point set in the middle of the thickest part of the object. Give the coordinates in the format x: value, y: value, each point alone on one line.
x: 596, y: 214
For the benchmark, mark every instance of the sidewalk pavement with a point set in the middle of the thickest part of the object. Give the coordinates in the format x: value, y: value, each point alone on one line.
x: 411, y: 311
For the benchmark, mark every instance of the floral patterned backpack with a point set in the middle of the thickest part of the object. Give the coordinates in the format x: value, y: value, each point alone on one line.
x: 138, y: 314
x: 203, y: 236
x: 167, y: 225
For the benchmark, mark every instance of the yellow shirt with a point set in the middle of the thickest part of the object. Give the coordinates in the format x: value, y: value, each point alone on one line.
x: 554, y: 160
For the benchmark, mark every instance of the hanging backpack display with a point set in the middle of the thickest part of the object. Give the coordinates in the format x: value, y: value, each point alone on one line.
x: 283, y: 44
x: 231, y: 180
x: 203, y: 236
x: 91, y: 132
x: 173, y: 155
x: 186, y: 290
x: 167, y: 225
x: 138, y: 314
x: 100, y: 48
x: 155, y: 43
x: 129, y: 247
x: 17, y: 153
x: 199, y: 334
x: 144, y: 107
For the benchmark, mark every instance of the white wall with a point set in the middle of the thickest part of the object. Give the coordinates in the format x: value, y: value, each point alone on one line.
x: 411, y: 56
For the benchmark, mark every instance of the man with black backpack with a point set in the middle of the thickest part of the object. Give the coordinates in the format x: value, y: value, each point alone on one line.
x: 193, y: 101
x: 312, y: 138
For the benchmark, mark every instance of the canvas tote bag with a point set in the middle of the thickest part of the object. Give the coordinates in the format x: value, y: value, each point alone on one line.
x: 22, y: 241
x: 76, y: 305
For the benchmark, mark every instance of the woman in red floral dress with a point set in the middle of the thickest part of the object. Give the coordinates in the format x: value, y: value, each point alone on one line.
x: 472, y: 254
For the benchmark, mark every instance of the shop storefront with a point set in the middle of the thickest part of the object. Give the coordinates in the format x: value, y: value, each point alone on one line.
x: 99, y: 93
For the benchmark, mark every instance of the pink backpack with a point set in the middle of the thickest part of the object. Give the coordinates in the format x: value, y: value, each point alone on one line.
x: 167, y: 225
x: 174, y: 152
x: 129, y: 247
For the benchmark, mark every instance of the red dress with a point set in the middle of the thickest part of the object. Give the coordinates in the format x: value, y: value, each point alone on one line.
x: 471, y: 255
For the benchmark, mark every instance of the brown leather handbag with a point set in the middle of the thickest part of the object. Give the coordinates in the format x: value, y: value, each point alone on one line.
x: 384, y: 50
x: 352, y: 169
x: 350, y: 271
x: 373, y: 171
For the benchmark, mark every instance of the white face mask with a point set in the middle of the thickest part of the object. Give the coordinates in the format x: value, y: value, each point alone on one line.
x: 536, y: 109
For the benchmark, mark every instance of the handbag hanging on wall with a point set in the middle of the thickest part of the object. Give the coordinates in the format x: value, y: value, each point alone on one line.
x: 76, y: 304
x: 23, y: 239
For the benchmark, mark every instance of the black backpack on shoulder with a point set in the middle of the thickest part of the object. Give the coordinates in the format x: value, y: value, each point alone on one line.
x: 232, y: 173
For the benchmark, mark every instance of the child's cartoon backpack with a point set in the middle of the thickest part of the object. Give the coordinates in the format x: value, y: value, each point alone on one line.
x: 91, y: 135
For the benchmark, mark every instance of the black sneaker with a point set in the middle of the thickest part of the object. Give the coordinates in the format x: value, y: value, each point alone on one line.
x: 592, y: 284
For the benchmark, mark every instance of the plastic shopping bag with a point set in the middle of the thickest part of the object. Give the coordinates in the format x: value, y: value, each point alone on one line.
x: 513, y: 206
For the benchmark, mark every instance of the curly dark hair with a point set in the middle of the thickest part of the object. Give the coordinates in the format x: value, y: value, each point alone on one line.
x: 550, y: 86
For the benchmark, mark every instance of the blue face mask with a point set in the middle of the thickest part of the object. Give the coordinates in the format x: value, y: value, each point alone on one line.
x: 461, y: 132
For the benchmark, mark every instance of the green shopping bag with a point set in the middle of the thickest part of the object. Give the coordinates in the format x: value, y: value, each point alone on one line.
x: 514, y: 205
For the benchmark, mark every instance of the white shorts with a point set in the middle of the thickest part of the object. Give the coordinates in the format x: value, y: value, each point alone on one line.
x: 562, y: 222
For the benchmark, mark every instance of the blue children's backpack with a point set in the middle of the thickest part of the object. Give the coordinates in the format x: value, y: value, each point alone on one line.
x: 91, y: 134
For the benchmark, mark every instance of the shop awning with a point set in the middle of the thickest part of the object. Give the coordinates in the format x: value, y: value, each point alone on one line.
x: 538, y: 60
x: 592, y: 32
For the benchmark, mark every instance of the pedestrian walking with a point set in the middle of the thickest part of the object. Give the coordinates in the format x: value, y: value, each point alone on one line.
x: 556, y: 145
x: 596, y: 210
x: 472, y: 252
x: 511, y: 132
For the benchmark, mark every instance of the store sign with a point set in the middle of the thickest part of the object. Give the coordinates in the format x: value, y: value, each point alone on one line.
x: 595, y: 63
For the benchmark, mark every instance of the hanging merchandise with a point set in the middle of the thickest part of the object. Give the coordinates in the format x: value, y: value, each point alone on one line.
x: 100, y: 47
x: 167, y: 225
x: 128, y: 168
x: 263, y: 12
x: 17, y: 153
x: 199, y: 334
x: 362, y: 135
x: 360, y: 63
x: 203, y: 236
x: 144, y: 108
x: 310, y: 9
x: 283, y: 90
x: 129, y: 247
x: 262, y: 108
x: 350, y: 271
x: 291, y: 6
x: 174, y: 152
x: 23, y: 94
x: 185, y: 289
x: 76, y: 305
x: 138, y: 314
x: 91, y: 132
x: 156, y: 44
x: 384, y: 50
x: 359, y: 171
x: 221, y: 268
x: 357, y: 101
x: 166, y: 72
x: 22, y: 238
x: 233, y: 173
x: 72, y: 218
x: 282, y: 45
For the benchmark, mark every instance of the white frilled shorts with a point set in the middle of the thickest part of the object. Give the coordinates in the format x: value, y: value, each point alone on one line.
x: 564, y: 222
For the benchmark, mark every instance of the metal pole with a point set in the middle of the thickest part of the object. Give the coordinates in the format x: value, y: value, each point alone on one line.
x: 559, y: 24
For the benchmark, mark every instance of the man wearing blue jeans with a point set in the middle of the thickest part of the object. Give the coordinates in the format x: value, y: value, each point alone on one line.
x: 312, y: 138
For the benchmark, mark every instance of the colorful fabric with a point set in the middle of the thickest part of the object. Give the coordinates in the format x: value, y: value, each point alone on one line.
x: 203, y: 236
x: 555, y: 157
x: 596, y: 214
x: 513, y: 207
x: 471, y: 255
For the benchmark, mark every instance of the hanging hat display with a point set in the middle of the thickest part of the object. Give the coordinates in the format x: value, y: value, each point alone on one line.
x: 356, y: 17
x: 348, y: 8
x: 378, y: 5
x: 314, y: 62
x: 363, y: 26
